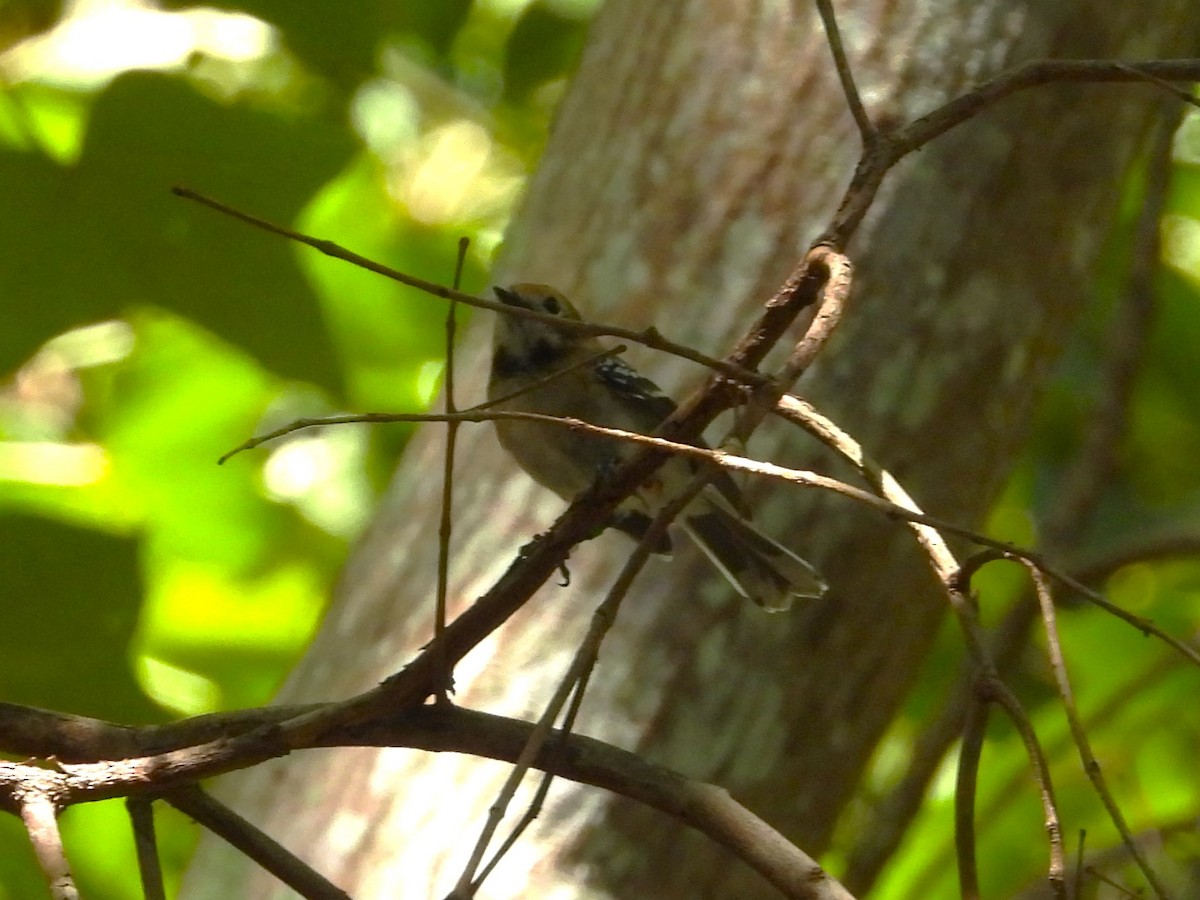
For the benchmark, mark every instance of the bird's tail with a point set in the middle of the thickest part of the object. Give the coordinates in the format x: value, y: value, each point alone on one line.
x: 759, y: 568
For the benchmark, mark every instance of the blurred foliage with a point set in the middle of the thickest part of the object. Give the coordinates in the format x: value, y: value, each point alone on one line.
x: 144, y: 336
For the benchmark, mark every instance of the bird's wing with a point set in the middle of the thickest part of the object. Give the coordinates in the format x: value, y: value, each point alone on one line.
x: 650, y: 406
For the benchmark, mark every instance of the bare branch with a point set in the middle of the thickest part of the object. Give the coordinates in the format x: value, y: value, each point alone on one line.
x: 974, y: 729
x: 276, y: 859
x: 577, y: 673
x: 439, y: 728
x: 39, y: 813
x: 705, y: 807
x: 833, y: 36
x: 648, y: 337
x: 445, y: 682
x: 1000, y: 694
x: 1037, y: 73
x: 887, y: 148
x: 1079, y: 733
x: 145, y: 840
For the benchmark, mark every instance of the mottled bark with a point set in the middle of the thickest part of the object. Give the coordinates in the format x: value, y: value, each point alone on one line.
x: 704, y: 143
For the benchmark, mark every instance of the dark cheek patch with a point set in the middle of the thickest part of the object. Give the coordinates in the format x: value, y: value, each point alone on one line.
x: 504, y: 365
x: 544, y: 353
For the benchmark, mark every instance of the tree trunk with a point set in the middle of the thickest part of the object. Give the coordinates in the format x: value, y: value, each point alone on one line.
x: 703, y: 146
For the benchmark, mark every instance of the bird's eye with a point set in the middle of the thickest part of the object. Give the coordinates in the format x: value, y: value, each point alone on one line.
x: 552, y: 306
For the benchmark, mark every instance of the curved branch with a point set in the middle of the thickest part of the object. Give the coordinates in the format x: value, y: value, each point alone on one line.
x: 445, y: 728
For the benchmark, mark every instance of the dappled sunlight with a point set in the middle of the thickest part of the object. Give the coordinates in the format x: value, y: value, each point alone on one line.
x: 49, y: 463
x: 99, y: 39
x: 456, y: 173
x: 1181, y: 245
x: 321, y: 476
x: 182, y: 691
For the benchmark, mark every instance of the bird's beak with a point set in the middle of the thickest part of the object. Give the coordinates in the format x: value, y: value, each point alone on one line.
x: 510, y: 298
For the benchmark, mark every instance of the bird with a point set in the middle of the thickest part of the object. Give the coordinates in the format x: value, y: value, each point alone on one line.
x: 554, y: 370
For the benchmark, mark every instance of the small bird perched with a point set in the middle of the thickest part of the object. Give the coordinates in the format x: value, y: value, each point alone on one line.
x: 603, y: 390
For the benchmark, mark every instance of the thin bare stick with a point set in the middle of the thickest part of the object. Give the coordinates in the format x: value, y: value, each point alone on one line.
x: 877, y: 842
x: 39, y: 813
x: 648, y: 337
x: 1036, y: 73
x: 1119, y: 888
x: 794, y: 410
x: 720, y: 457
x: 974, y: 729
x: 433, y: 728
x: 581, y: 664
x: 833, y: 36
x: 445, y: 682
x: 1077, y: 885
x: 547, y: 379
x: 806, y: 416
x: 531, y: 813
x: 145, y: 840
x: 1113, y: 707
x: 888, y: 147
x: 226, y: 824
x: 954, y: 578
x: 998, y: 692
x: 539, y: 798
x: 927, y: 531
x: 386, y: 418
x: 839, y: 275
x: 1174, y: 90
x: 1090, y: 765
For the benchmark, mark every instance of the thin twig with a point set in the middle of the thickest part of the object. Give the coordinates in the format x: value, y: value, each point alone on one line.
x: 1037, y: 73
x: 799, y: 412
x: 1112, y: 883
x: 835, y: 294
x: 276, y: 859
x: 722, y: 458
x: 536, y: 803
x: 973, y: 732
x: 1079, y: 733
x: 145, y: 840
x: 1114, y: 706
x: 586, y: 362
x: 434, y: 728
x: 445, y: 682
x: 386, y: 418
x: 999, y: 693
x: 581, y: 665
x: 1174, y: 90
x: 539, y: 798
x: 956, y: 583
x: 926, y: 529
x: 888, y: 147
x: 833, y: 37
x: 1077, y: 882
x: 805, y: 415
x: 1076, y: 497
x: 39, y: 813
x: 648, y: 337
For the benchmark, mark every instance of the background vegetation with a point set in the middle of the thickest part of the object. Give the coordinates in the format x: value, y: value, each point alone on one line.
x: 144, y: 336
